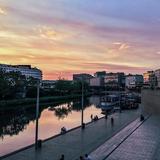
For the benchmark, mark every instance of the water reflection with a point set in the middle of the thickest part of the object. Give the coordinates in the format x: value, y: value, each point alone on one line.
x: 15, y: 124
x: 14, y: 121
x: 62, y: 111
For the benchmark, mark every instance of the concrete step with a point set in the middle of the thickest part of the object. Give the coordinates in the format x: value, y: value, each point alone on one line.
x: 110, y: 145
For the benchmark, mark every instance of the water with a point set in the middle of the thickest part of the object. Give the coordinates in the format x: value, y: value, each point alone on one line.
x: 17, y: 127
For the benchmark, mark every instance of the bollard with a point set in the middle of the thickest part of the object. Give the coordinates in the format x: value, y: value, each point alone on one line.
x: 141, y: 118
x: 83, y: 125
x: 106, y: 116
x: 39, y: 143
x: 112, y: 121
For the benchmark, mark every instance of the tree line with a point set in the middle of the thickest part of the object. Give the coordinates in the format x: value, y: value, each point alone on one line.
x: 14, y: 85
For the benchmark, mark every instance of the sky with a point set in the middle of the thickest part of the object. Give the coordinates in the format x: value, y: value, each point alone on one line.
x: 62, y: 37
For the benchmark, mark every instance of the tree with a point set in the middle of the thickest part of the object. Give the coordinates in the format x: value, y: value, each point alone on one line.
x: 4, y: 85
x: 11, y: 83
x: 63, y: 86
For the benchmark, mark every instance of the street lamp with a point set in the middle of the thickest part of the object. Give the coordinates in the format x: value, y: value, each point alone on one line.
x: 37, y: 115
x: 82, y: 113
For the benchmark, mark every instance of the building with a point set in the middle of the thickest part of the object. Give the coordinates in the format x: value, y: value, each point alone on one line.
x: 48, y: 84
x: 115, y: 79
x: 150, y: 79
x: 157, y: 74
x: 83, y: 76
x: 134, y: 81
x: 26, y: 70
x: 100, y: 74
x: 96, y: 82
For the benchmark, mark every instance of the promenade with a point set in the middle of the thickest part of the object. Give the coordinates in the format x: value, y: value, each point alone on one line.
x: 78, y: 142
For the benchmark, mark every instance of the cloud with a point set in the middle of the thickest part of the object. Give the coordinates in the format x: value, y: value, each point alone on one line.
x: 50, y: 33
x: 158, y: 53
x: 121, y: 46
x: 3, y: 11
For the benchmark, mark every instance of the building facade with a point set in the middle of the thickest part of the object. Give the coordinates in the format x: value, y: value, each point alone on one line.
x: 150, y: 79
x: 82, y: 77
x: 96, y: 82
x: 115, y: 79
x: 157, y: 74
x: 100, y: 74
x: 134, y: 81
x: 25, y: 70
x: 48, y: 84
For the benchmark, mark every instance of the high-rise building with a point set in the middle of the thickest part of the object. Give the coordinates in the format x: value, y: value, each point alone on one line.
x: 25, y: 70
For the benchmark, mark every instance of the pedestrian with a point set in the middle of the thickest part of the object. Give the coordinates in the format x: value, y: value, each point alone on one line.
x: 91, y: 117
x: 106, y: 115
x: 87, y: 157
x: 62, y: 157
x: 63, y: 130
x: 112, y: 121
x: 81, y: 158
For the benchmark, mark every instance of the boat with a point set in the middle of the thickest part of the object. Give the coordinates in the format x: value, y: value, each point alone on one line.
x: 129, y: 101
x: 109, y: 102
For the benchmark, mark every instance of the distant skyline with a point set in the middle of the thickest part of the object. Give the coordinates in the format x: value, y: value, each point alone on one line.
x: 63, y: 37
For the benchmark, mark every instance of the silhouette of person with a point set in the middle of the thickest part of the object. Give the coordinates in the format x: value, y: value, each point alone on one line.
x: 112, y: 121
x: 62, y: 157
x: 87, y: 157
x: 81, y: 158
x: 63, y: 130
x: 91, y: 117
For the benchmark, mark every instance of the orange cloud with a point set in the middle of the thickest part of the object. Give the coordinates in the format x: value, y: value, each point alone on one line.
x: 50, y: 33
x: 121, y: 46
x: 3, y: 11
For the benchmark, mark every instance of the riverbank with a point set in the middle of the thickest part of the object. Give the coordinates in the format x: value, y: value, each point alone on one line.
x: 85, y: 140
x: 27, y: 101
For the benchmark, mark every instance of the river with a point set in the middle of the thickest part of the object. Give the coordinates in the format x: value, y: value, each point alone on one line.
x: 17, y: 126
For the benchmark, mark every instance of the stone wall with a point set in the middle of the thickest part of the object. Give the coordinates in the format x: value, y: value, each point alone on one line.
x: 151, y: 101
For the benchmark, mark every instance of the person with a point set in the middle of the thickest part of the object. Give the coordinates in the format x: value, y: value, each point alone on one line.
x: 106, y: 115
x: 95, y: 118
x: 87, y: 157
x: 91, y: 117
x: 81, y: 158
x: 62, y: 157
x: 63, y: 130
x: 112, y: 120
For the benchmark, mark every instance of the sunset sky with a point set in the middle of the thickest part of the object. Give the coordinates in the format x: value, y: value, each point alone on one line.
x: 62, y: 37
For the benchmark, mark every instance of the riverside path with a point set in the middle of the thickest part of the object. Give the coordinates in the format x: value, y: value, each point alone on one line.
x: 78, y: 141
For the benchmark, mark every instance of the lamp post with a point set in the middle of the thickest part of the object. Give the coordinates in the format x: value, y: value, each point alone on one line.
x: 82, y: 113
x: 37, y: 115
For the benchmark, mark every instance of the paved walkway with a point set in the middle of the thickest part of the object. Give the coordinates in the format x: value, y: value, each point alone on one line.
x: 143, y: 144
x: 113, y: 143
x: 78, y: 142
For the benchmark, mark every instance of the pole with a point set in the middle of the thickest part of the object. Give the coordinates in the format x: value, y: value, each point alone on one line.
x: 82, y: 115
x: 37, y: 116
